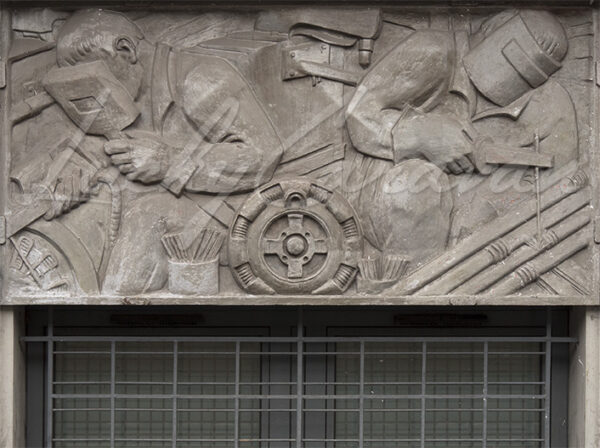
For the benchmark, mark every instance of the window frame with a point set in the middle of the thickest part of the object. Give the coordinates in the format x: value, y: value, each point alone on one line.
x: 316, y: 325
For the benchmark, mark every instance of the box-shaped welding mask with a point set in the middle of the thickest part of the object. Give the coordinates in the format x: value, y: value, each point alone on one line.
x: 92, y: 97
x: 509, y: 62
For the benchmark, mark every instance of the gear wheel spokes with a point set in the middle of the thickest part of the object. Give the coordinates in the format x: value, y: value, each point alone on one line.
x: 295, y: 245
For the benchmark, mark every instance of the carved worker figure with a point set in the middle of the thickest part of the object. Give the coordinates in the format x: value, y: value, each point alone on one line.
x: 201, y: 130
x: 428, y: 109
x: 181, y: 95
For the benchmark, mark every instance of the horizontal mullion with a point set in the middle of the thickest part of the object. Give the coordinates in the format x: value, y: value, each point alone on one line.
x: 233, y: 440
x: 517, y: 353
x: 145, y: 409
x: 306, y: 340
x: 481, y: 353
x: 329, y: 440
x: 516, y: 410
x: 452, y: 409
x: 80, y: 352
x: 293, y: 383
x: 233, y: 410
x: 392, y: 440
x: 290, y: 353
x: 79, y: 409
x: 294, y: 410
x: 305, y: 397
x: 146, y: 353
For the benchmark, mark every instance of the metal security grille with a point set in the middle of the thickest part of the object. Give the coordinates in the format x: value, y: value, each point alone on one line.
x: 355, y: 392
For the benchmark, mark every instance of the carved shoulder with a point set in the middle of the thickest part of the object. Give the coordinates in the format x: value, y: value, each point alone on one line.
x: 210, y: 83
x: 412, y: 70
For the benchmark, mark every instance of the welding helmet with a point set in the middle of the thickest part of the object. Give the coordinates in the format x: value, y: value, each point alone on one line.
x: 92, y: 97
x: 519, y: 55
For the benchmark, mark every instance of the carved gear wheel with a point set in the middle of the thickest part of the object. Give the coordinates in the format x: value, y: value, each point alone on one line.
x: 295, y: 237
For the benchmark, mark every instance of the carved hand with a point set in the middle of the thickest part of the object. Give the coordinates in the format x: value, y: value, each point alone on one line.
x: 70, y: 190
x: 144, y: 158
x: 439, y: 139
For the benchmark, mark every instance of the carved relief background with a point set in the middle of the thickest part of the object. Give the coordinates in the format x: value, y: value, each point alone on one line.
x: 301, y: 155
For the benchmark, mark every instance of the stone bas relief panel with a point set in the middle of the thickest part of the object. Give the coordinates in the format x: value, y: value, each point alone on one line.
x: 349, y: 154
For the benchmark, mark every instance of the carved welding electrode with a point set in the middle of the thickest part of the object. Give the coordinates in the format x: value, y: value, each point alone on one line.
x: 194, y: 265
x: 297, y: 237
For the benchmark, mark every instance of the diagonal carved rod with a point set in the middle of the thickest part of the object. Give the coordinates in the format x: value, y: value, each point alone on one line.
x: 502, y: 225
x: 546, y: 261
x: 512, y: 264
x: 454, y: 280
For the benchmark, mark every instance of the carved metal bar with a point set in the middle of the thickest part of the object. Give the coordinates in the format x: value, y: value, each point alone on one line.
x: 236, y: 418
x: 547, y: 378
x: 50, y: 380
x: 299, y: 442
x: 175, y: 380
x: 113, y: 392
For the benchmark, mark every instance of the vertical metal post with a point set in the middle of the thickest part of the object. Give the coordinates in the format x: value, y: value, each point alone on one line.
x: 486, y: 350
x: 423, y: 391
x: 547, y: 378
x: 330, y: 391
x: 299, y: 378
x: 113, y: 370
x: 361, y: 411
x: 50, y: 378
x: 174, y: 404
x: 236, y: 417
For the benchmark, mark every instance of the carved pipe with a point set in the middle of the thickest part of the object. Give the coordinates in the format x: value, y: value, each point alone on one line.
x: 500, y: 249
x: 546, y: 261
x: 115, y: 204
x: 511, y: 265
x: 502, y: 225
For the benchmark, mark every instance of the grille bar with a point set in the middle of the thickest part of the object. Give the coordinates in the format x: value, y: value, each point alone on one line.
x: 234, y: 400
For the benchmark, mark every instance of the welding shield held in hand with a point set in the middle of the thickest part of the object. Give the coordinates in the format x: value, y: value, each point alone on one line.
x: 92, y: 97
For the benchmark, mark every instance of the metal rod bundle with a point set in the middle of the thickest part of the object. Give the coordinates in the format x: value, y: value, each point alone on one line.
x: 383, y: 268
x: 532, y: 270
x: 463, y: 277
x: 547, y: 249
x: 204, y: 247
x: 490, y: 233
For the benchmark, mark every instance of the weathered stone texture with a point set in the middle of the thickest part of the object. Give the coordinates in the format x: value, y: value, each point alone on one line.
x: 301, y: 155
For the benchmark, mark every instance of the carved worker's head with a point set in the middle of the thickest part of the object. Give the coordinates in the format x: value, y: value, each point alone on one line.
x: 517, y: 51
x: 92, y: 35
